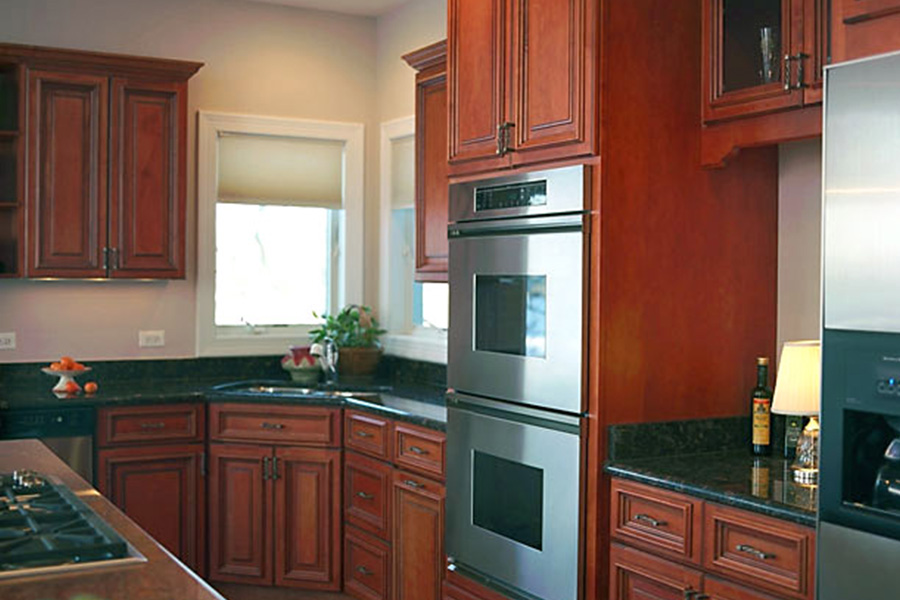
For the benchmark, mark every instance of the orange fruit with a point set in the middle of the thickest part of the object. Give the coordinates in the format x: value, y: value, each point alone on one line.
x: 90, y: 387
x: 72, y: 387
x: 55, y: 366
x: 67, y: 363
x: 78, y: 366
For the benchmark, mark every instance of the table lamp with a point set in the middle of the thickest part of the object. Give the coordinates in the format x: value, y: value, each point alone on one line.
x: 797, y: 395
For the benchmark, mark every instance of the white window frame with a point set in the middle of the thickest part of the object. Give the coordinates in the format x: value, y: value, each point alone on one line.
x: 213, y: 340
x: 420, y: 343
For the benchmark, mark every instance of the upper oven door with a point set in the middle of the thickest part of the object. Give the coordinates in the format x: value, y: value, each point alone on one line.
x: 516, y: 310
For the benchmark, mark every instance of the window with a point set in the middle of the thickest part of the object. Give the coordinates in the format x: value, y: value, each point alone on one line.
x: 415, y: 314
x: 280, y: 229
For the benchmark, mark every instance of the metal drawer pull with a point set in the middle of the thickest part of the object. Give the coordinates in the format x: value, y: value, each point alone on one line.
x: 414, y: 484
x: 365, y: 496
x: 157, y: 425
x: 274, y: 468
x: 648, y: 519
x: 417, y: 450
x: 265, y: 468
x: 363, y: 434
x: 363, y: 570
x: 751, y: 550
x: 272, y: 425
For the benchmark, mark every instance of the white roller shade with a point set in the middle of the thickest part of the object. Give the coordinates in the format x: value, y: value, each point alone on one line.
x: 268, y: 169
x: 403, y: 162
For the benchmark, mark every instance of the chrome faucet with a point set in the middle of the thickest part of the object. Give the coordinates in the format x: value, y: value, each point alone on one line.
x: 327, y: 351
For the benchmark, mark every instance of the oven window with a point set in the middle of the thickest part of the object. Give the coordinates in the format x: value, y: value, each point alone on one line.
x: 511, y: 314
x: 508, y: 498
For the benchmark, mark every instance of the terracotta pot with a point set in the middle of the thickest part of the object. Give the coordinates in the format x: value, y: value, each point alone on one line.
x: 358, y: 361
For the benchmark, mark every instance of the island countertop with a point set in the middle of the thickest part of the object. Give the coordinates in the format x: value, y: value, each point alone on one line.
x: 162, y: 577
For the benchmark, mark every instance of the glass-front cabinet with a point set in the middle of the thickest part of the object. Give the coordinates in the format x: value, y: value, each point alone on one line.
x: 11, y: 185
x: 761, y: 56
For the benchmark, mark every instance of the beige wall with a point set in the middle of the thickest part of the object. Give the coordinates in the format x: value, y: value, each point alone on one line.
x: 259, y: 59
x: 799, y: 241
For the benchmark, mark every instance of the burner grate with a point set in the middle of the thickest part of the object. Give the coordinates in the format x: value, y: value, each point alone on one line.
x: 44, y: 524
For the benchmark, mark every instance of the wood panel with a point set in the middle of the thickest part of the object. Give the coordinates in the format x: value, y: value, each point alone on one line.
x: 368, y: 434
x: 275, y: 424
x: 635, y: 575
x: 307, y: 517
x: 151, y: 424
x: 420, y: 449
x: 418, y: 534
x: 477, y: 84
x: 457, y: 587
x: 147, y: 209
x: 719, y: 589
x: 67, y: 170
x: 367, y: 494
x: 861, y: 28
x: 162, y: 489
x: 240, y: 515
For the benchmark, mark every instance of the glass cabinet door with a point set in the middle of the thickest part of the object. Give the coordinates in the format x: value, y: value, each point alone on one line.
x: 754, y: 56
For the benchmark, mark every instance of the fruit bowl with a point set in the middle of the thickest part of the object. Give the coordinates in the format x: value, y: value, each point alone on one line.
x: 65, y: 377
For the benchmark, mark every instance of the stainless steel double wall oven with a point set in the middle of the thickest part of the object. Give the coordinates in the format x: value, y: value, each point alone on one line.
x: 514, y: 491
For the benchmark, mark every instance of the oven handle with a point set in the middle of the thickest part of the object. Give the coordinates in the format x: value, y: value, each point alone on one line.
x: 565, y: 422
x: 564, y: 222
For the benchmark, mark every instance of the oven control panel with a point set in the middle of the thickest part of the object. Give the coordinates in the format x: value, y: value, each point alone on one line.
x: 888, y: 387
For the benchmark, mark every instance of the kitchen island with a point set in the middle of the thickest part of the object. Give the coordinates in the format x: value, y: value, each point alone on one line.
x: 161, y: 577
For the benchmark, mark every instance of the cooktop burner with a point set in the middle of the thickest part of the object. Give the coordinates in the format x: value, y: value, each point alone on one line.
x: 43, y: 524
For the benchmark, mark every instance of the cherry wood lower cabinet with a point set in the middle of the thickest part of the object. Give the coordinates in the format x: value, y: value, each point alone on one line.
x: 418, y: 537
x: 162, y: 489
x: 861, y: 28
x: 670, y: 545
x: 274, y: 516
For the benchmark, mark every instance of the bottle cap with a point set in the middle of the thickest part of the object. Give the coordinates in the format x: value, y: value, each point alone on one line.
x: 762, y: 360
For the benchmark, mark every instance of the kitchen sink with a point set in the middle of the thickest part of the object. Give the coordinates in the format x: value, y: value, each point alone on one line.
x: 279, y: 389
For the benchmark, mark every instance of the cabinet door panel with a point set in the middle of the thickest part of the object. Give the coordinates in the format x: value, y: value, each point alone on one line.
x: 161, y: 488
x: 476, y: 45
x: 418, y: 538
x: 636, y: 575
x: 367, y: 494
x: 861, y: 28
x: 147, y: 194
x: 431, y: 178
x: 240, y: 516
x: 307, y: 516
x: 551, y: 59
x: 718, y: 589
x: 67, y: 167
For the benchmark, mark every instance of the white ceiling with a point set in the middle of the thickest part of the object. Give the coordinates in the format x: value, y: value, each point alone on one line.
x: 369, y: 8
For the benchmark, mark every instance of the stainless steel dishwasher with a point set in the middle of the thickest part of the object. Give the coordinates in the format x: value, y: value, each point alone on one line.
x: 67, y: 431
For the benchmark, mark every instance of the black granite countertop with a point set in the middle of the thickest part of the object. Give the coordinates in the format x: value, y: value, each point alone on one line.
x: 415, y: 403
x: 732, y: 477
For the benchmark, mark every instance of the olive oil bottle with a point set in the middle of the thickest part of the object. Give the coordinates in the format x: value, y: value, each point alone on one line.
x: 761, y: 409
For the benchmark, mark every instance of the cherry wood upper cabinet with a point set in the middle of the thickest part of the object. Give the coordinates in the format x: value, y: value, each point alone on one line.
x: 68, y: 149
x: 862, y: 28
x: 522, y: 82
x: 761, y: 56
x: 149, y: 125
x: 106, y: 163
x: 755, y: 98
x: 431, y: 184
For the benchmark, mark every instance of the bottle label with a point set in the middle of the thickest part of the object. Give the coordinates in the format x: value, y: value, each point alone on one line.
x: 761, y: 421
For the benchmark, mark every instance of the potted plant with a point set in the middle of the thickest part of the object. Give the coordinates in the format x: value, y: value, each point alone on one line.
x: 355, y: 332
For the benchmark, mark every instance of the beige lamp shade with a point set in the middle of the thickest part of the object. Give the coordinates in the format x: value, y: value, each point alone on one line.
x: 268, y: 169
x: 799, y: 379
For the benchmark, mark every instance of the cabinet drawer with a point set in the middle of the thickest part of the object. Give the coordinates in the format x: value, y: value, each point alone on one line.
x: 367, y: 434
x: 366, y: 566
x: 367, y: 494
x: 768, y: 553
x: 656, y: 519
x: 419, y: 449
x: 143, y: 424
x: 275, y: 424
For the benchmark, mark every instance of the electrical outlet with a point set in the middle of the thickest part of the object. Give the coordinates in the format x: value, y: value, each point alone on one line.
x: 152, y: 339
x: 8, y: 340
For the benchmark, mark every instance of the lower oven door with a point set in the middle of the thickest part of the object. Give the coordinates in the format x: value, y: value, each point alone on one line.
x: 513, y: 498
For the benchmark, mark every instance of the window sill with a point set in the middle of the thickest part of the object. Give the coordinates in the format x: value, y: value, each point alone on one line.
x: 426, y: 346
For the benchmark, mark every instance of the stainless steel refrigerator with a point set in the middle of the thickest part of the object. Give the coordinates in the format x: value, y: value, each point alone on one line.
x: 858, y: 548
